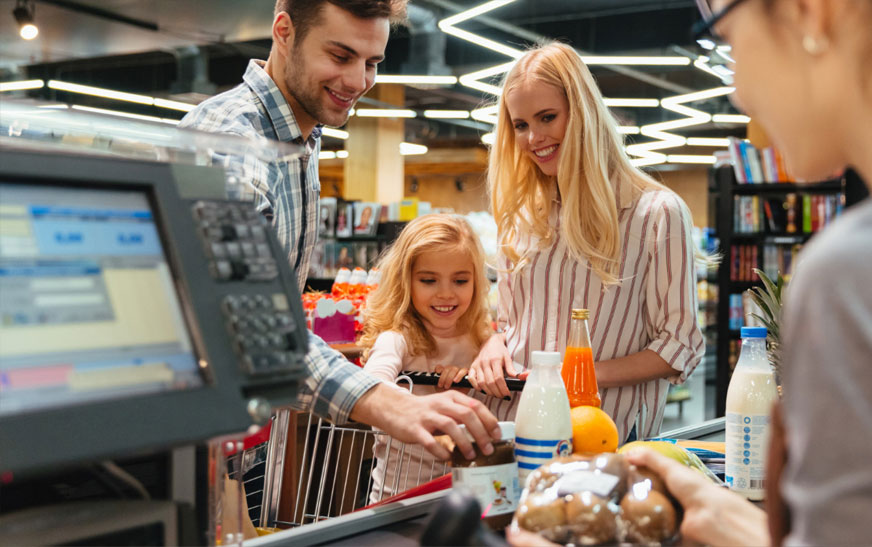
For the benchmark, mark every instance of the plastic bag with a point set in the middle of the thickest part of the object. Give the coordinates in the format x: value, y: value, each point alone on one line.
x: 597, y: 499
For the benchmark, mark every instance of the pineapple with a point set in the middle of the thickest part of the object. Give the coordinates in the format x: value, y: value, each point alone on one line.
x: 769, y: 298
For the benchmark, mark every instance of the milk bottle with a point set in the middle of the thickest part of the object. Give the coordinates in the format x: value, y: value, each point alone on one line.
x: 543, y: 429
x: 750, y: 397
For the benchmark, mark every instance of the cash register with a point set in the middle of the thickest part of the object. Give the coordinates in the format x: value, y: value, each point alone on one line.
x: 139, y: 311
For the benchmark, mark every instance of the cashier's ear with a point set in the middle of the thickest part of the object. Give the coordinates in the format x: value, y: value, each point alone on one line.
x: 283, y: 33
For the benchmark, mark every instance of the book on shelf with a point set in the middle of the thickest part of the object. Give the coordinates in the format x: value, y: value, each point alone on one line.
x: 793, y: 213
x: 754, y: 166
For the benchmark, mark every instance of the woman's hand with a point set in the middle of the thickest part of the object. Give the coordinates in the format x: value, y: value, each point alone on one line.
x: 449, y: 375
x: 486, y: 372
x: 712, y: 515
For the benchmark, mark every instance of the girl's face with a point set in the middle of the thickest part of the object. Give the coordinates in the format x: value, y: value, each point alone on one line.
x: 539, y: 113
x: 442, y: 289
x: 787, y: 90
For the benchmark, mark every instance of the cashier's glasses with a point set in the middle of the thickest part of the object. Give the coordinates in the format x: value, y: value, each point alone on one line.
x: 705, y: 28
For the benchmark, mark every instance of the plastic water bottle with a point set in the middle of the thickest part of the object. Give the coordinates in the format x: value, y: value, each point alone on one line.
x: 543, y: 427
x: 750, y: 397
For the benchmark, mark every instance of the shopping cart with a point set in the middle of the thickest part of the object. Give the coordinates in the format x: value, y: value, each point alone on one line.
x: 333, y: 474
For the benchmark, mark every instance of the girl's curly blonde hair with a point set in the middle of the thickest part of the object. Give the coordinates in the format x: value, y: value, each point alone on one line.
x: 390, y: 306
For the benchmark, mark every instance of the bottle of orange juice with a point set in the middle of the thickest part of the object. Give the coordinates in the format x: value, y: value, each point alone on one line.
x: 579, y: 374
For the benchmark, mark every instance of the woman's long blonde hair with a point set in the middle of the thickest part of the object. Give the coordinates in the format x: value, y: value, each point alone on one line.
x: 390, y: 306
x: 592, y: 160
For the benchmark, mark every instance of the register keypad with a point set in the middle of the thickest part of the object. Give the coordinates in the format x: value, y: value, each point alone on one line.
x: 234, y: 238
x: 262, y: 330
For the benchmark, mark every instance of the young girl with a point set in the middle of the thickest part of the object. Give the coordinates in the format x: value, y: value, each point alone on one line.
x: 580, y: 227
x: 428, y: 314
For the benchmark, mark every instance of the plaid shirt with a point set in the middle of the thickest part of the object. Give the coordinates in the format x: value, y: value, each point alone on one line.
x: 287, y: 194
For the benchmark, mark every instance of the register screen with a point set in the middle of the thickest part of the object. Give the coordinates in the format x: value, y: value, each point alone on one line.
x: 88, y: 309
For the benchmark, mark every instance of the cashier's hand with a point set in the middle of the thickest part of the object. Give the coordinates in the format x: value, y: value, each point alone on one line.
x: 489, y: 370
x: 416, y: 419
x: 712, y: 514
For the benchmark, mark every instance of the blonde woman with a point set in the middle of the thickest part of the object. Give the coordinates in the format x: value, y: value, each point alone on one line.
x: 429, y: 314
x: 580, y: 227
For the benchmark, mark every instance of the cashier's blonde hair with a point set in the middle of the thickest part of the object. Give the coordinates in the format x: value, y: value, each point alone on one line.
x: 592, y: 160
x: 390, y: 307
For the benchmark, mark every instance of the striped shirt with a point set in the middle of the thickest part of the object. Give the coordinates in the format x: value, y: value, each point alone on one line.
x: 287, y: 193
x: 653, y: 307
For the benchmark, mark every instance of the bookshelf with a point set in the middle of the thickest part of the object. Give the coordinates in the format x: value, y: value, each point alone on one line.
x: 734, y: 277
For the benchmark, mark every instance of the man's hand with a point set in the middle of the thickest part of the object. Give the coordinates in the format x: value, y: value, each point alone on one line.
x: 486, y: 372
x: 712, y: 515
x: 415, y: 419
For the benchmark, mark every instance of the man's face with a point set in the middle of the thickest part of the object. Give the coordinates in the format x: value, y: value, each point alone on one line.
x: 335, y: 63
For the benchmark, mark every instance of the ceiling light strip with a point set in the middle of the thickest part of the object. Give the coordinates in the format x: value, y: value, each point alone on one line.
x: 687, y: 158
x: 124, y: 114
x: 730, y: 118
x: 632, y: 103
x: 335, y: 133
x: 413, y: 80
x: 411, y: 149
x: 21, y: 85
x: 119, y: 95
x: 385, y: 113
x: 706, y: 141
x: 640, y: 60
x: 447, y: 114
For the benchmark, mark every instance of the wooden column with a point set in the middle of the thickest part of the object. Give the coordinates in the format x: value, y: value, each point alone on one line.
x: 374, y: 167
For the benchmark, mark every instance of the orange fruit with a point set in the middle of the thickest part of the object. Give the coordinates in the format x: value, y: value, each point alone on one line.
x: 593, y: 431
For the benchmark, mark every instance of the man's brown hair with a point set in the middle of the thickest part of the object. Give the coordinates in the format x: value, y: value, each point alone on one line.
x: 304, y: 14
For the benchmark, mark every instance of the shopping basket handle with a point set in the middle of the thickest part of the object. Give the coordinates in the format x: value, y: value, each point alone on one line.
x: 432, y: 379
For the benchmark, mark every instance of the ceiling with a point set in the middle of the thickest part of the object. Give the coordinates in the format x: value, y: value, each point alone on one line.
x: 83, y: 48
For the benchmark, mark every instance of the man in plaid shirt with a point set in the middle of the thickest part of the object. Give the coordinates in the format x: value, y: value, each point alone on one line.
x: 323, y: 58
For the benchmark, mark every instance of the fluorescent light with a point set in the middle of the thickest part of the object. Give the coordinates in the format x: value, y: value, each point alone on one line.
x: 413, y: 80
x: 487, y: 114
x: 54, y: 106
x: 119, y: 95
x: 628, y: 130
x: 447, y: 26
x: 698, y: 95
x: 730, y: 118
x: 410, y: 149
x: 472, y: 80
x: 125, y: 114
x: 653, y: 159
x: 488, y: 138
x: 326, y: 155
x: 686, y: 158
x: 706, y: 44
x: 447, y: 114
x: 28, y: 31
x: 639, y: 103
x: 100, y: 92
x: 704, y: 141
x: 174, y: 105
x: 726, y: 47
x: 673, y: 60
x: 335, y: 133
x: 385, y: 113
x: 21, y: 85
x: 342, y: 154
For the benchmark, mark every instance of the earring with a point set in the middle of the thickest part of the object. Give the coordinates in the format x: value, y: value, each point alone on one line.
x: 814, y: 46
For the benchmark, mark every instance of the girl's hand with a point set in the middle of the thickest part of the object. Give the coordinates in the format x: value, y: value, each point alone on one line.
x: 449, y: 375
x: 486, y: 372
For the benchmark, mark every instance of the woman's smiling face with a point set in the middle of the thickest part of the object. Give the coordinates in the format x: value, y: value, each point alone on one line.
x: 539, y: 113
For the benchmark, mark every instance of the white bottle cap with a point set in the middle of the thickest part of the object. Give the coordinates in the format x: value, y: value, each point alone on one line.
x: 343, y: 275
x: 546, y: 358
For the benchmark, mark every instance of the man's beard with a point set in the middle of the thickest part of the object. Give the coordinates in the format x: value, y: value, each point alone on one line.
x: 310, y: 98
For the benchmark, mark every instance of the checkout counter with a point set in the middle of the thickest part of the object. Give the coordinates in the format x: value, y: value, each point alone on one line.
x: 147, y: 324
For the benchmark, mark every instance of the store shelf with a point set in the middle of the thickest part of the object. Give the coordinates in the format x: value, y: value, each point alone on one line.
x: 785, y: 187
x: 767, y: 237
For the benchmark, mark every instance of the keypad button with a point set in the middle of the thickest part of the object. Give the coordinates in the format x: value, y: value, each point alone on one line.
x: 264, y: 251
x: 231, y: 304
x: 218, y: 250
x: 242, y: 231
x: 258, y: 233
x: 248, y: 249
x: 234, y: 250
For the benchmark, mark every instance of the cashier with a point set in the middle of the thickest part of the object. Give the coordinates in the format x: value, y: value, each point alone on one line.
x: 804, y: 71
x: 580, y: 227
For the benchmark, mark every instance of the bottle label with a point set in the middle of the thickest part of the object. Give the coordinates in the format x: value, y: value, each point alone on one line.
x: 531, y: 453
x: 496, y: 487
x: 747, y: 441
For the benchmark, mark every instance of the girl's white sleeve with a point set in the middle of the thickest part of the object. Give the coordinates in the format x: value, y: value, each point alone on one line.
x: 386, y: 357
